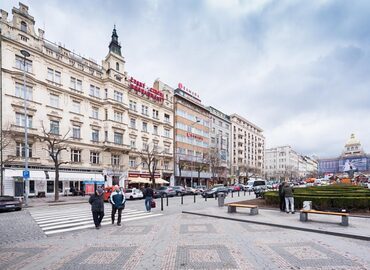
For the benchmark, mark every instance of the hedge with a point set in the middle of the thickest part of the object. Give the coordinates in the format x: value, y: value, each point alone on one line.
x: 327, y: 198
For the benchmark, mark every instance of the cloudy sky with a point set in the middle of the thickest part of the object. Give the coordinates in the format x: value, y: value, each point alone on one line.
x: 298, y: 69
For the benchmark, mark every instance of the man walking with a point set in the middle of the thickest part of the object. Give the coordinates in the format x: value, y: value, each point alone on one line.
x: 289, y: 199
x: 281, y: 197
x: 148, y: 195
x: 117, y: 199
x: 97, y: 207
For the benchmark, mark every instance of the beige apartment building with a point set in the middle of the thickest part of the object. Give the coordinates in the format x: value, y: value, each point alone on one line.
x: 248, y: 147
x: 108, y: 117
x: 191, y: 137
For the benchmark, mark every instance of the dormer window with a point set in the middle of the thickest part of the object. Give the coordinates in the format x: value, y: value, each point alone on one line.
x: 24, y: 26
x: 117, y: 66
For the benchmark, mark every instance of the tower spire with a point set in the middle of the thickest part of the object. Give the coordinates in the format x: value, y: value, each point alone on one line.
x: 114, y: 45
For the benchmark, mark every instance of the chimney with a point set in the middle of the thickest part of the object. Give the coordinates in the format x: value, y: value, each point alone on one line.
x: 4, y: 15
x: 41, y: 34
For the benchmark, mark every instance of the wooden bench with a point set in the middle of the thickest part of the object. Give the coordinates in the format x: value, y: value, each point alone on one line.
x: 304, y: 215
x: 231, y: 208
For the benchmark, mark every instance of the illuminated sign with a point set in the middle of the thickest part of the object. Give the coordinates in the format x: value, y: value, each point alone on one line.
x: 189, y: 92
x: 192, y: 135
x: 150, y: 92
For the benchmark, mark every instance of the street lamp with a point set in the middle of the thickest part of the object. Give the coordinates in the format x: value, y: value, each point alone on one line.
x: 192, y: 159
x: 25, y: 176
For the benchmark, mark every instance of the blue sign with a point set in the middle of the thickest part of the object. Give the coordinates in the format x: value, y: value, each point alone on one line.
x: 26, y: 174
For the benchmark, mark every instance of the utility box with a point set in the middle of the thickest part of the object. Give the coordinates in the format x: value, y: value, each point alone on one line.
x: 221, y: 199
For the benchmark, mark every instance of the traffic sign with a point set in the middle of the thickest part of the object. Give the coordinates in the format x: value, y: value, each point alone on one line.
x: 26, y: 174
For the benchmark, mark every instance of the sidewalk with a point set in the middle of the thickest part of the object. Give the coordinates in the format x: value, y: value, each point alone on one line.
x: 63, y: 200
x: 359, y: 228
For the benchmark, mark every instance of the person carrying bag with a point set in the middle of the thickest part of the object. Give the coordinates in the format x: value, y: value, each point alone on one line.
x: 118, y: 200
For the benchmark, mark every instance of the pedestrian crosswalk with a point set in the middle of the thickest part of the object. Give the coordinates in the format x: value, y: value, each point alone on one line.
x: 53, y: 220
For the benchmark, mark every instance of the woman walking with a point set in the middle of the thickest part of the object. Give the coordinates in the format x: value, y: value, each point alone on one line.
x: 97, y: 207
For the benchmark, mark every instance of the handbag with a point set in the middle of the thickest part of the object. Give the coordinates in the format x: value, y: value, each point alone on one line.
x: 152, y: 204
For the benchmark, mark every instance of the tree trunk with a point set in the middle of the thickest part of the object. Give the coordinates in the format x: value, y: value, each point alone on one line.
x: 56, y: 183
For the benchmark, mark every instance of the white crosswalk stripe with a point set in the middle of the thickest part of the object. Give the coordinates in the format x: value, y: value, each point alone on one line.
x: 54, y: 220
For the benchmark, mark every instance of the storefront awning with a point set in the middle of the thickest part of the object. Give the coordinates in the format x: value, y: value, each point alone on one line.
x: 139, y: 180
x: 75, y: 176
x: 34, y: 175
x: 161, y: 181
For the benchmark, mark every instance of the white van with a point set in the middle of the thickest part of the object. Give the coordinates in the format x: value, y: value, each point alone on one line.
x: 255, y: 184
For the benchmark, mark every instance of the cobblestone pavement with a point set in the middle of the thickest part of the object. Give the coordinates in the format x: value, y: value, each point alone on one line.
x: 181, y: 241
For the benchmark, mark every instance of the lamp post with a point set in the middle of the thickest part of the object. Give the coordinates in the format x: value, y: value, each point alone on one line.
x: 192, y: 159
x: 25, y: 177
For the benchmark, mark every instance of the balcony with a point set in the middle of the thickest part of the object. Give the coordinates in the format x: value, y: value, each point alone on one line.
x: 115, y: 146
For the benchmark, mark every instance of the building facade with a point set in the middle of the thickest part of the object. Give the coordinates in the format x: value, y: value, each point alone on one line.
x: 353, y: 158
x: 191, y: 137
x: 248, y: 148
x: 220, y: 144
x: 107, y: 118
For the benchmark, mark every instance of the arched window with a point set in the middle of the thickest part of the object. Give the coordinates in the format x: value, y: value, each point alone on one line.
x: 23, y: 26
x: 117, y: 66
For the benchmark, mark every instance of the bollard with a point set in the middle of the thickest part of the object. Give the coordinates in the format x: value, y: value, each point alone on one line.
x: 205, y: 197
x: 167, y: 200
x: 182, y: 199
x: 194, y: 198
x: 249, y: 191
x: 161, y: 203
x: 232, y: 194
x: 238, y: 193
x: 244, y: 192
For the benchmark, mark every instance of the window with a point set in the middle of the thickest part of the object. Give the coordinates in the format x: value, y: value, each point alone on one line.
x: 144, y: 109
x: 20, y: 150
x: 49, y: 186
x: 76, y: 106
x: 155, y: 130
x: 155, y: 114
x: 95, y: 112
x: 132, y: 162
x: 20, y: 91
x: 76, y: 132
x: 145, y: 127
x: 166, y: 118
x: 166, y: 150
x: 105, y: 136
x: 75, y: 155
x: 118, y: 96
x: 54, y: 127
x: 133, y: 123
x: 106, y: 93
x: 118, y: 138
x: 20, y: 120
x: 23, y: 64
x: 167, y: 133
x: 133, y: 144
x: 54, y: 76
x: 95, y: 135
x: 117, y: 66
x: 94, y: 157
x: 145, y: 146
x: 94, y: 91
x: 76, y: 84
x: 118, y: 116
x: 166, y: 165
x: 54, y: 100
x: 133, y: 105
x: 23, y: 26
x: 115, y: 160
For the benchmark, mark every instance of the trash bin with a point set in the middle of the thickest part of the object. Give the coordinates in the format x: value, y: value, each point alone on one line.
x: 221, y: 199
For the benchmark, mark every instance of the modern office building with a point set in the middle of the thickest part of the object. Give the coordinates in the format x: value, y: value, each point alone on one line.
x: 248, y: 148
x: 108, y: 118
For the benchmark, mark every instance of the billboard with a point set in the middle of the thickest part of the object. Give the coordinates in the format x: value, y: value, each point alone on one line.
x: 355, y: 164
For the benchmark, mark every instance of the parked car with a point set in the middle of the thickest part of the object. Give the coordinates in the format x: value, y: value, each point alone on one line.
x: 234, y: 188
x: 180, y: 190
x: 191, y: 191
x: 133, y: 193
x: 213, y: 192
x: 10, y: 203
x: 164, y: 192
x: 254, y: 184
x: 200, y: 188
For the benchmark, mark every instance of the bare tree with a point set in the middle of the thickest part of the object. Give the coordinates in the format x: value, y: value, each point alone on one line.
x: 201, y: 165
x: 214, y: 161
x: 150, y: 157
x: 6, y: 139
x: 56, y: 144
x: 181, y: 165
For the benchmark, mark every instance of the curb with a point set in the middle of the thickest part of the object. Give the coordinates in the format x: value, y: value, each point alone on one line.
x: 352, y: 236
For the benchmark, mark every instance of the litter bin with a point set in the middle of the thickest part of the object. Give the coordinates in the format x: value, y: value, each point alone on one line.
x: 221, y: 199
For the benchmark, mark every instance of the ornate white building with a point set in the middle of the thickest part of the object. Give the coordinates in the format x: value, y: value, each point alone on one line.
x: 110, y: 117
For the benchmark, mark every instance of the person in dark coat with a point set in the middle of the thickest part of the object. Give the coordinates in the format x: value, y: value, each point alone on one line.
x: 148, y: 195
x: 97, y: 207
x: 281, y: 196
x: 117, y: 199
x: 289, y: 198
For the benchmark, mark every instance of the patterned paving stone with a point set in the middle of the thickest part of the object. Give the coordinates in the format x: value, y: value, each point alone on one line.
x: 13, y: 258
x: 258, y: 228
x: 133, y: 230
x: 110, y: 258
x: 197, y: 228
x: 204, y: 257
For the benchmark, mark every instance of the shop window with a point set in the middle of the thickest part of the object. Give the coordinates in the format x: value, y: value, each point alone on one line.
x: 49, y: 186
